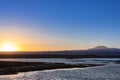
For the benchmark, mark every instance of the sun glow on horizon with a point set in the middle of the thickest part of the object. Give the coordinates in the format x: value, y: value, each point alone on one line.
x: 8, y: 47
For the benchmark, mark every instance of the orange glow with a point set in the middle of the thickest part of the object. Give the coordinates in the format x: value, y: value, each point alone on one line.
x: 8, y: 47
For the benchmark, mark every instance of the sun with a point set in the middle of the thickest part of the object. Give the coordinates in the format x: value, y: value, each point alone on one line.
x: 8, y: 47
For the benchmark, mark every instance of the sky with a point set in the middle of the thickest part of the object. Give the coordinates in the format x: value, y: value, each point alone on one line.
x: 44, y: 25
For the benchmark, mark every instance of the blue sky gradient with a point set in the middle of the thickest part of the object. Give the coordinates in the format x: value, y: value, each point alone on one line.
x: 60, y: 24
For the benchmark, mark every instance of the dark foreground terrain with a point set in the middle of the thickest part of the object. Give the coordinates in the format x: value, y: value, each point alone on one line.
x: 8, y: 67
x: 62, y: 54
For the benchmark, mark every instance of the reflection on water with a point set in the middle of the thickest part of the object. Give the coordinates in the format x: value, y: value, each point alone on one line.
x: 63, y: 60
x: 110, y: 71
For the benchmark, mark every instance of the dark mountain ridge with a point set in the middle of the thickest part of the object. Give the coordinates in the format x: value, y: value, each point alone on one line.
x: 104, y: 49
x: 99, y: 51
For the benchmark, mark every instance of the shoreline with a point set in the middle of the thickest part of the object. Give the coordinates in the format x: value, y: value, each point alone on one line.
x: 13, y: 67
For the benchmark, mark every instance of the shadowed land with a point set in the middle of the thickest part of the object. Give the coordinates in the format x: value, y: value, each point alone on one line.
x: 117, y: 62
x: 10, y: 67
x: 96, y: 52
x: 61, y: 54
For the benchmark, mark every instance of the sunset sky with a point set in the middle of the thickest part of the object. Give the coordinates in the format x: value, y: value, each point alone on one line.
x: 44, y: 25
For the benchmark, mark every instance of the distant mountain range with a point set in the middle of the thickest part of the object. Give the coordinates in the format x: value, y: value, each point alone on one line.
x: 99, y: 48
x: 104, y: 49
x: 96, y: 52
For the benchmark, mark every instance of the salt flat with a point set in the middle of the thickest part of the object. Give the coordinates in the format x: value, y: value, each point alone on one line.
x: 110, y: 71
